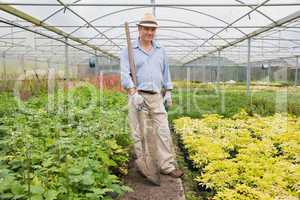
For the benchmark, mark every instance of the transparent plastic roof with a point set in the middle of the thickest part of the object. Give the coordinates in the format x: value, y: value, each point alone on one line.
x: 188, y: 29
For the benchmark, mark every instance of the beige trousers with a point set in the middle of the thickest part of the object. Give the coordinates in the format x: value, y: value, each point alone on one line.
x: 156, y: 121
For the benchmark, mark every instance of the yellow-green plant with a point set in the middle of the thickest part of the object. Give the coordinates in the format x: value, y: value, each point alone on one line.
x: 244, y: 157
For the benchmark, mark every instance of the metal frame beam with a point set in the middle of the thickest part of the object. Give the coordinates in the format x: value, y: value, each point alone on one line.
x: 167, y: 45
x: 13, y: 11
x: 161, y: 26
x: 230, y: 24
x: 248, y: 71
x: 296, y: 71
x: 149, y: 5
x: 278, y: 23
x: 173, y: 7
x: 87, y: 22
x: 191, y: 39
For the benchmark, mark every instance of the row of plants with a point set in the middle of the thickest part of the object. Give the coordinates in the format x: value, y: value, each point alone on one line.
x: 68, y: 145
x: 196, y: 99
x: 244, y: 157
x: 254, y: 84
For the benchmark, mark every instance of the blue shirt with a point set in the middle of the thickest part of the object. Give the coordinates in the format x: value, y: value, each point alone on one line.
x: 152, y: 68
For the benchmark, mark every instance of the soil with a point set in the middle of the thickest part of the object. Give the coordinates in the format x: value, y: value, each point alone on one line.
x: 170, y: 188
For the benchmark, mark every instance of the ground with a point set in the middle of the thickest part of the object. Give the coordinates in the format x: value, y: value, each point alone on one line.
x: 170, y: 189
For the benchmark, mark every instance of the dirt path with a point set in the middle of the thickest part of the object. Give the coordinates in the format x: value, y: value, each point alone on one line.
x: 170, y: 189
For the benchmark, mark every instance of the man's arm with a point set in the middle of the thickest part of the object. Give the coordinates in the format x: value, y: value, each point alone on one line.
x: 167, y: 82
x: 126, y: 79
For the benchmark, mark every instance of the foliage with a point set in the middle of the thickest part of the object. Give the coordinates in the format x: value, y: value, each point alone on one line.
x: 73, y: 147
x: 197, y: 99
x: 244, y: 157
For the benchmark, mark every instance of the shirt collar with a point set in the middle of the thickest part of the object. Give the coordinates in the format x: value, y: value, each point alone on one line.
x: 136, y: 44
x: 155, y: 44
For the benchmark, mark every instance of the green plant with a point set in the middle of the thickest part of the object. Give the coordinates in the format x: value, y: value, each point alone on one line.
x: 76, y: 150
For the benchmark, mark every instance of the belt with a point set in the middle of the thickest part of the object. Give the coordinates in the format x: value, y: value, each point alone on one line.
x: 147, y: 92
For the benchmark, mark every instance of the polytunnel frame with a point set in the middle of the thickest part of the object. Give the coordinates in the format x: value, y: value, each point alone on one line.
x: 229, y: 25
x: 248, y: 37
x: 66, y: 6
x: 284, y: 20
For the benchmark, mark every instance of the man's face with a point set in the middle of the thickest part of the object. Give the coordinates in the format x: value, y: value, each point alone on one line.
x: 146, y: 33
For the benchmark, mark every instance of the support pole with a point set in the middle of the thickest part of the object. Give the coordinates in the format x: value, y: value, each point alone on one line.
x: 188, y: 89
x: 97, y: 63
x: 12, y: 34
x: 203, y: 73
x: 35, y: 63
x: 219, y: 67
x: 67, y: 78
x: 51, y: 86
x: 67, y: 81
x: 269, y: 72
x: 4, y: 69
x: 23, y: 64
x: 296, y: 71
x: 248, y: 68
x: 153, y: 8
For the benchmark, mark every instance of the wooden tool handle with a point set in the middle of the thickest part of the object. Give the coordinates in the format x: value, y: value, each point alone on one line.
x: 130, y: 55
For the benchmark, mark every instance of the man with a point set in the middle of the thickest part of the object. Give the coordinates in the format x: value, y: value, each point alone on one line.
x: 153, y: 78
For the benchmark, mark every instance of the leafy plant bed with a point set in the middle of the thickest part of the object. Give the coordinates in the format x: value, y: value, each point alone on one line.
x: 192, y: 190
x: 195, y: 100
x: 192, y: 171
x: 75, y: 148
x: 185, y: 154
x: 265, y: 164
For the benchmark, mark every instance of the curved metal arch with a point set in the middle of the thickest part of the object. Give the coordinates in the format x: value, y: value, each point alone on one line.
x: 160, y: 34
x: 211, y: 16
x: 172, y: 41
x: 10, y: 32
x: 180, y: 43
x: 106, y: 15
x: 190, y: 34
x: 15, y: 46
x: 272, y: 44
x: 236, y: 20
x: 285, y: 30
x: 49, y: 42
x: 177, y: 21
x: 275, y: 45
x: 193, y: 35
x: 269, y: 33
x: 274, y: 37
x: 293, y: 31
x: 87, y: 22
x: 173, y: 7
x: 57, y: 11
x: 7, y: 34
x: 285, y: 50
x: 187, y: 33
x: 119, y: 36
x: 263, y: 14
x: 193, y: 25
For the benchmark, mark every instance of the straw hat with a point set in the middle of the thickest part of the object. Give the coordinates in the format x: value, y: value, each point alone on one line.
x: 148, y: 20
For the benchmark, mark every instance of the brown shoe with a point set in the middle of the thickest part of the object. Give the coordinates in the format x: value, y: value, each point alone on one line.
x: 176, y: 173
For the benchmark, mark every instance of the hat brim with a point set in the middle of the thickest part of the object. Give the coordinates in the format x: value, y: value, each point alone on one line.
x: 147, y: 25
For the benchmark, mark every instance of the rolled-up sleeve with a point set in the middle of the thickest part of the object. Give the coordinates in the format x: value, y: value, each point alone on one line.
x: 167, y: 82
x: 126, y: 80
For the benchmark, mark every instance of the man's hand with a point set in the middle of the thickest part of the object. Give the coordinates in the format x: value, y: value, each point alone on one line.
x: 168, y: 99
x: 131, y: 91
x: 136, y: 99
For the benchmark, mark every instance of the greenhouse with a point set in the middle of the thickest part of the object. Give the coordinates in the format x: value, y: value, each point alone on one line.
x: 227, y: 73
